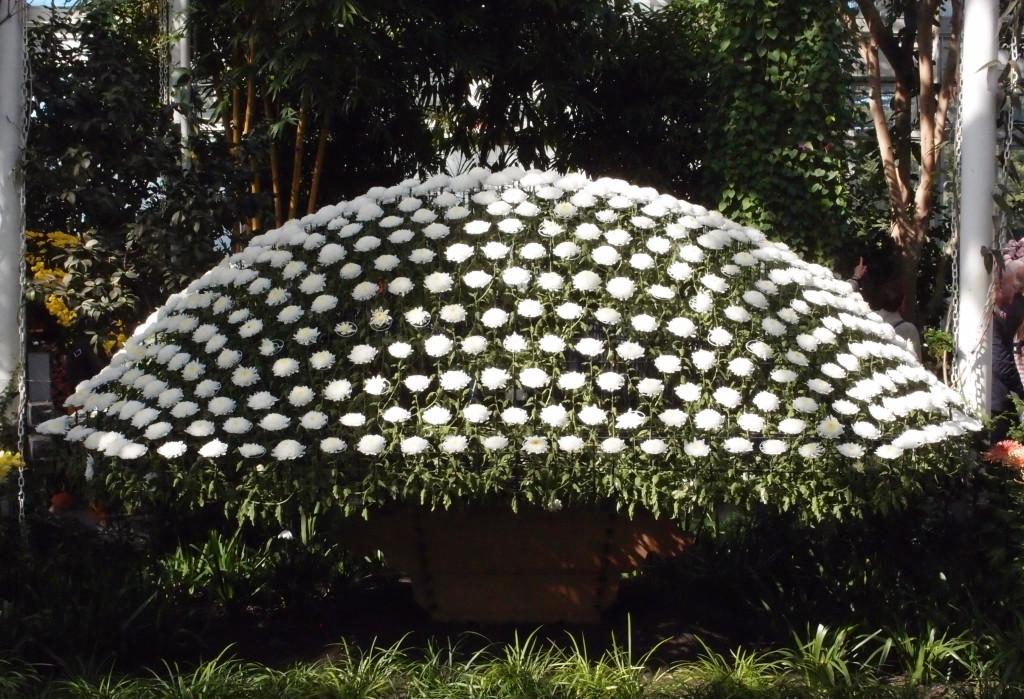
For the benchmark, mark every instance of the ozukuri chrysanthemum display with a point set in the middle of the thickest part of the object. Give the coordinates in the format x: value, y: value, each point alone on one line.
x: 517, y: 337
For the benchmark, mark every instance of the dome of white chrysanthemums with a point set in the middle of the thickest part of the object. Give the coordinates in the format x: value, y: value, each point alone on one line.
x: 517, y: 330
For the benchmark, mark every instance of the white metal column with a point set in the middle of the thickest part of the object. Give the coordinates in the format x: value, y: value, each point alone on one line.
x: 977, y: 183
x: 12, y: 123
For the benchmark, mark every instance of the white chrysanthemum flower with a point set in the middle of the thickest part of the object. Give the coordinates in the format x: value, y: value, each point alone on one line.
x: 740, y: 366
x: 567, y: 250
x: 691, y: 253
x: 621, y: 288
x: 570, y: 381
x: 157, y: 430
x: 750, y: 422
x: 476, y: 413
x: 274, y: 422
x: 514, y: 343
x: 591, y: 414
x: 569, y: 311
x: 249, y: 328
x: 866, y: 430
x: 605, y: 255
x: 715, y: 283
x: 172, y: 450
x: 644, y: 323
x: 200, y: 428
x: 454, y: 444
x: 350, y: 270
x: 376, y: 385
x: 454, y: 380
x: 783, y: 376
x: 516, y: 276
x: 773, y: 447
x: 436, y: 231
x: 552, y: 344
x: 261, y: 400
x: 830, y: 428
x: 452, y: 313
x: 738, y: 445
x: 371, y: 444
x: 845, y: 407
x: 333, y: 445
x: 708, y: 420
x: 338, y: 390
x: 851, y: 450
x: 701, y: 302
x: 590, y: 347
x: 252, y: 451
x: 514, y: 416
x: 833, y: 371
x: 221, y: 405
x: 610, y: 381
x: 207, y: 388
x: 888, y: 451
x: 438, y: 282
x: 818, y: 386
x: 551, y: 281
x: 698, y: 448
x: 438, y: 346
x: 416, y: 383
x: 477, y: 227
x: 510, y: 226
x: 423, y: 216
x: 719, y: 337
x: 301, y: 395
x: 608, y: 316
x: 399, y: 350
x: 193, y: 370
x: 385, y: 263
x: 792, y: 425
x: 494, y: 318
x: 673, y: 417
x: 362, y: 354
x: 650, y: 387
x: 400, y: 286
x: 477, y: 279
x: 474, y: 345
x: 668, y: 363
x: 811, y: 450
x: 364, y: 291
x: 727, y: 397
x: 804, y: 404
x: 493, y: 378
x: 531, y: 308
x: 773, y: 327
x: 277, y: 296
x: 630, y: 351
x: 534, y: 377
x: 535, y: 444
x: 682, y: 327
x: 236, y: 425
x: 653, y: 447
x: 313, y: 420
x: 703, y: 360
x: 613, y: 445
x: 495, y: 442
x: 571, y: 443
x: 352, y: 419
x: 766, y: 401
x: 688, y: 392
x: 554, y: 415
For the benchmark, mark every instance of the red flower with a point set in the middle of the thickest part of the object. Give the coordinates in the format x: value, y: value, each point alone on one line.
x: 1008, y: 452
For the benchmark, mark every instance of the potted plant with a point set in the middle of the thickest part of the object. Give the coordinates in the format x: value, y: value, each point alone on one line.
x: 520, y: 340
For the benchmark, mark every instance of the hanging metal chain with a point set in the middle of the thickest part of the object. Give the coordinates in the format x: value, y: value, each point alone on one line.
x: 26, y: 92
x: 952, y: 323
x: 1011, y: 93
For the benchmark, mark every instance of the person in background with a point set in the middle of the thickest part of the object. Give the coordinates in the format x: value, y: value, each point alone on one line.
x: 1007, y: 339
x: 889, y: 303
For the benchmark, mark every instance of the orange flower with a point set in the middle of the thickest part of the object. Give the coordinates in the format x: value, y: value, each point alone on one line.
x: 1008, y: 452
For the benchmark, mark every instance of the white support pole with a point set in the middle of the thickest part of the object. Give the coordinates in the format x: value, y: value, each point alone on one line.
x: 977, y: 183
x: 12, y: 231
x: 181, y: 60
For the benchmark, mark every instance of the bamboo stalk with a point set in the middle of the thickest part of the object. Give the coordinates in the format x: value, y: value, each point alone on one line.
x: 300, y: 136
x: 275, y: 169
x: 318, y: 165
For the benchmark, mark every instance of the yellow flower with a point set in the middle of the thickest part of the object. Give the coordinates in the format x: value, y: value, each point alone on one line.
x: 9, y: 460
